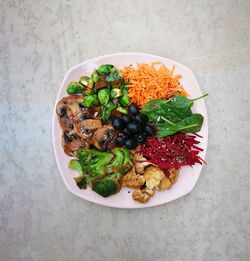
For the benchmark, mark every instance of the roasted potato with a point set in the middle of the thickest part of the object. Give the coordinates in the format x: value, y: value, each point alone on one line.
x: 133, y: 180
x: 142, y: 195
x: 173, y: 175
x: 153, y: 176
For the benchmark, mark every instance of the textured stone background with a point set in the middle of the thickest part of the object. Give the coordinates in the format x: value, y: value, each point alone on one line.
x: 39, y: 218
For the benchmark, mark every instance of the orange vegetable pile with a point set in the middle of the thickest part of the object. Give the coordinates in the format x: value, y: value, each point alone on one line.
x: 151, y: 81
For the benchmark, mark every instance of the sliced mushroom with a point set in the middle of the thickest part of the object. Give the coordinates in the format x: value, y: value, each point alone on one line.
x: 74, y: 108
x: 94, y: 111
x: 72, y: 147
x: 63, y: 105
x: 85, y: 129
x: 65, y: 122
x: 111, y: 142
x: 87, y: 113
x: 104, y: 138
x: 78, y: 123
x: 92, y: 124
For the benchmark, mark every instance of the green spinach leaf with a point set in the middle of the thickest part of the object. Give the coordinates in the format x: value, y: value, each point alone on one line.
x: 173, y: 115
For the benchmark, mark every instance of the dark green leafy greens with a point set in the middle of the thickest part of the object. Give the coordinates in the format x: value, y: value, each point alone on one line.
x: 173, y: 115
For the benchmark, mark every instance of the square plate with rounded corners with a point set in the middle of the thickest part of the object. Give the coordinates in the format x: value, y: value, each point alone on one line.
x: 188, y: 175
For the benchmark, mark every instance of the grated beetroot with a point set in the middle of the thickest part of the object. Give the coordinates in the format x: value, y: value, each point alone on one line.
x: 173, y: 151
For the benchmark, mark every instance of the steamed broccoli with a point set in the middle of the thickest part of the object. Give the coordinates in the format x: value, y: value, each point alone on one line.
x: 116, y: 165
x: 101, y: 170
x: 120, y: 166
x: 127, y: 163
x: 75, y: 164
x: 108, y: 185
x: 93, y: 162
x: 105, y: 187
x: 81, y: 181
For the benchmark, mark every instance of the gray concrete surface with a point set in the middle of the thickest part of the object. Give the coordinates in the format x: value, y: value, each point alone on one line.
x: 39, y: 218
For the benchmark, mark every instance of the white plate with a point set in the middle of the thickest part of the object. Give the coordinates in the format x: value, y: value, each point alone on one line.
x: 188, y: 176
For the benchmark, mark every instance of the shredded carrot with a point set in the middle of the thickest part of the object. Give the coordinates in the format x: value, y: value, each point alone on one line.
x: 151, y: 81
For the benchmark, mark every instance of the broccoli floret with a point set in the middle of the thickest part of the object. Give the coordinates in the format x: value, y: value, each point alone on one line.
x: 101, y: 170
x: 119, y: 167
x: 81, y: 182
x: 127, y: 163
x: 116, y: 165
x: 90, y: 156
x: 105, y: 187
x: 108, y: 185
x: 75, y: 164
x: 93, y: 162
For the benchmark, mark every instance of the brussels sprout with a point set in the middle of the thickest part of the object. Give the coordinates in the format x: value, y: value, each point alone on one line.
x: 124, y: 89
x: 122, y: 110
x: 105, y: 69
x: 86, y: 81
x: 110, y: 106
x: 124, y: 100
x: 95, y: 76
x: 115, y: 93
x: 102, y: 112
x: 90, y: 100
x: 75, y: 87
x: 106, y: 111
x: 113, y: 76
x: 103, y: 96
x: 88, y: 91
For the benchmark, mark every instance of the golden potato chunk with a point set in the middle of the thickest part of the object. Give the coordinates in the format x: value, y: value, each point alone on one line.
x: 143, y: 195
x: 164, y: 184
x: 173, y: 175
x: 139, y: 168
x: 167, y: 182
x: 132, y: 180
x: 153, y: 176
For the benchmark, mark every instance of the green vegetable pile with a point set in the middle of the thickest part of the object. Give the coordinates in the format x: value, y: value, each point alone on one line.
x: 101, y: 170
x: 105, y: 88
x: 173, y: 115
